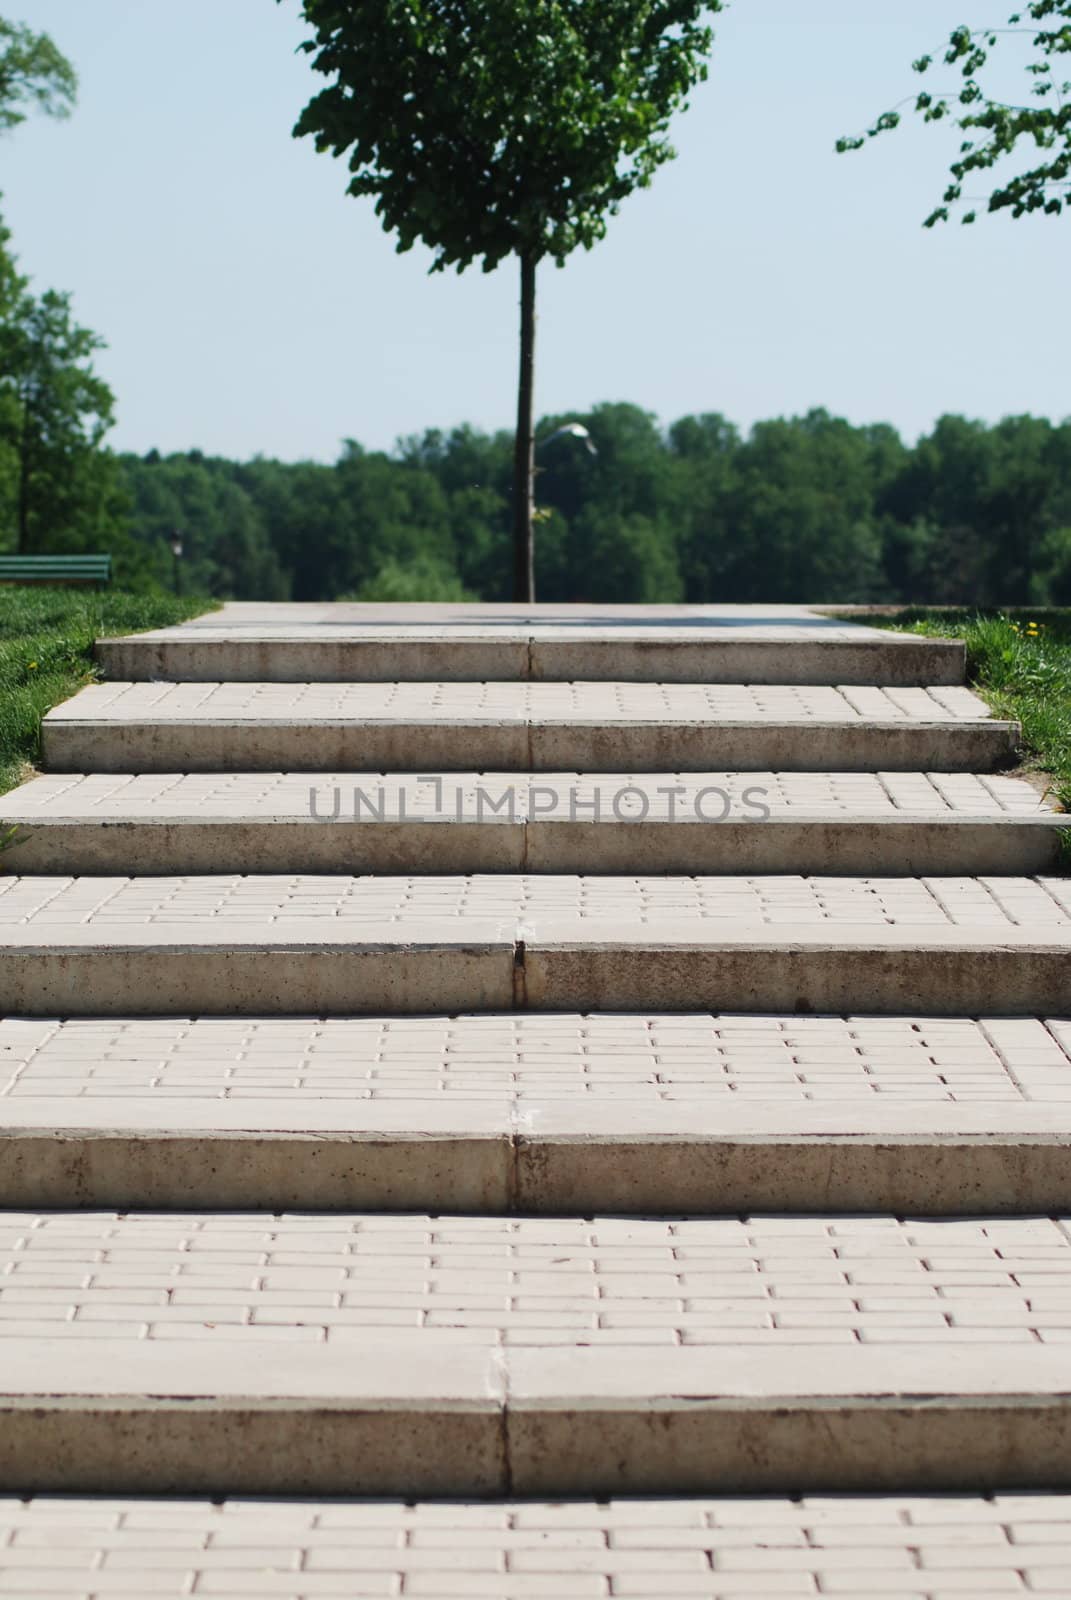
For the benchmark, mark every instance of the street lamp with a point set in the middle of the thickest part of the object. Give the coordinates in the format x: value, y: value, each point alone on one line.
x: 571, y: 430
x: 175, y: 542
x: 568, y: 430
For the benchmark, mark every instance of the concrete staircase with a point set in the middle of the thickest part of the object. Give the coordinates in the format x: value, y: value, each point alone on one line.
x: 656, y: 1083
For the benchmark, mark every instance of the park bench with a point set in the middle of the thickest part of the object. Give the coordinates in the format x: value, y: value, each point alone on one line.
x: 56, y: 569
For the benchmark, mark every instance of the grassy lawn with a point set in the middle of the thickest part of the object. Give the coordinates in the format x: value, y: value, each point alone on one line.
x: 1020, y: 662
x: 46, y: 653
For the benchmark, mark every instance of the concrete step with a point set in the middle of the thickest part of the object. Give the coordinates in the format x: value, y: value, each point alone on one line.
x: 335, y: 945
x: 343, y: 643
x: 851, y: 823
x: 539, y: 1114
x: 572, y: 727
x: 413, y: 1355
x: 920, y: 1547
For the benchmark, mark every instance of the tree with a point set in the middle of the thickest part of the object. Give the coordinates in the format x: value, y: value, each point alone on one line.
x: 995, y: 129
x: 488, y: 130
x: 56, y: 484
x: 13, y: 294
x: 60, y: 414
x: 34, y: 76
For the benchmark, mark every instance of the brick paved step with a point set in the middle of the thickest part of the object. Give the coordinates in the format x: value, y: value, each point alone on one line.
x: 539, y: 1114
x: 851, y: 823
x: 278, y: 945
x: 923, y: 1547
x: 312, y: 1354
x: 343, y: 652
x: 592, y: 727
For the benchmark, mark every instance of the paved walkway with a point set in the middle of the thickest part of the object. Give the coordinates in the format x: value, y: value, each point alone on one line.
x: 540, y: 1153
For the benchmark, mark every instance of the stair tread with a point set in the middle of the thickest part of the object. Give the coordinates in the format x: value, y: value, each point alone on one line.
x: 506, y: 906
x: 269, y: 619
x: 707, y: 1547
x: 857, y: 1286
x: 607, y: 703
x: 501, y: 797
x: 730, y: 1069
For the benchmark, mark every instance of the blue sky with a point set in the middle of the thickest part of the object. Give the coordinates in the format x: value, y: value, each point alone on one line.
x: 251, y: 307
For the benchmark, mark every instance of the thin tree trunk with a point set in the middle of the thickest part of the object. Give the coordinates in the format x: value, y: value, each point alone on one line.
x: 524, y: 445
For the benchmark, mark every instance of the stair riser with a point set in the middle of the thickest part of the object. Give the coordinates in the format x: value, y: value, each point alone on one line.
x: 354, y: 979
x: 484, y: 1175
x: 393, y: 659
x: 124, y: 1170
x: 778, y: 845
x: 206, y: 1447
x: 553, y: 1449
x: 939, y: 981
x: 677, y: 1446
x: 248, y: 981
x: 266, y: 746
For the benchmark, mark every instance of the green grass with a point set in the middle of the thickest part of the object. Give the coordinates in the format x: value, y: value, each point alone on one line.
x: 1020, y: 662
x: 46, y: 654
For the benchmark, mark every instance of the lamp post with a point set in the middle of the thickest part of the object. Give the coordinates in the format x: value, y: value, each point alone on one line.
x: 175, y: 542
x: 568, y: 430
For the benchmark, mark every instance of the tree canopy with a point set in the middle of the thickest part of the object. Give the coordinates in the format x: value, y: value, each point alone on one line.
x: 488, y: 130
x: 34, y: 76
x: 996, y: 129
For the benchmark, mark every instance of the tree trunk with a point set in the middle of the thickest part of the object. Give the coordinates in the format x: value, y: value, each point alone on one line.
x: 524, y: 445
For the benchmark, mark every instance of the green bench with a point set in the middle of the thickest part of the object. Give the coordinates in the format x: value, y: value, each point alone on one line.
x: 56, y: 569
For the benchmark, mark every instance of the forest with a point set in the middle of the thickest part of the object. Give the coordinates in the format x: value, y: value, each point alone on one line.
x: 800, y: 508
x: 796, y: 508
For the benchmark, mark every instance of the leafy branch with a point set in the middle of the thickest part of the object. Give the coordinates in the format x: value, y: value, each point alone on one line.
x: 996, y: 128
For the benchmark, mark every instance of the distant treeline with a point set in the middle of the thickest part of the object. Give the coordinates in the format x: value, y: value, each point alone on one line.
x: 810, y: 508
